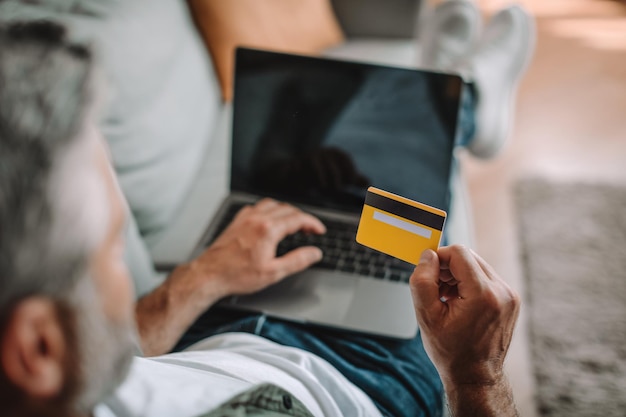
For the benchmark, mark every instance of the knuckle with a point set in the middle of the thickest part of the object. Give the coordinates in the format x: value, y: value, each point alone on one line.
x: 263, y: 226
x: 419, y: 276
x: 503, y: 302
x: 514, y: 299
x: 418, y: 272
x: 301, y: 260
x: 461, y: 249
x: 492, y: 302
x: 248, y: 220
x: 244, y: 211
x: 264, y: 201
x: 414, y: 280
x: 291, y: 209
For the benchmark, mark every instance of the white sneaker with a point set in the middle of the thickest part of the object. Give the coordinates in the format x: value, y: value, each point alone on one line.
x: 448, y: 34
x: 503, y: 55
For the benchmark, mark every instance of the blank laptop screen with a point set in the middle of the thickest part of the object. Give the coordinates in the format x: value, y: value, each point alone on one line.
x: 320, y: 131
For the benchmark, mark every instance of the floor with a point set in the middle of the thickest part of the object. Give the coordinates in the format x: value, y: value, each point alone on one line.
x: 570, y: 124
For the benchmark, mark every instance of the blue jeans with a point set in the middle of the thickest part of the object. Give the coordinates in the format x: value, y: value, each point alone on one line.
x: 396, y: 374
x: 467, y: 115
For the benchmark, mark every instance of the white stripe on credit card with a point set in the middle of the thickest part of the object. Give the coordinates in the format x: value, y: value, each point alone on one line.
x: 401, y: 224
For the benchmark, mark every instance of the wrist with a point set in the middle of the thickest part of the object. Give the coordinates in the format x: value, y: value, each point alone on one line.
x: 196, y: 285
x: 485, y: 374
x: 485, y: 398
x: 474, y: 385
x: 168, y: 311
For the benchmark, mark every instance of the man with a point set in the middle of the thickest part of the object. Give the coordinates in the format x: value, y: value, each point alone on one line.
x: 66, y: 305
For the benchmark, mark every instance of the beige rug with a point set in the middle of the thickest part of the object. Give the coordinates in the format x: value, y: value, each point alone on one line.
x: 573, y: 239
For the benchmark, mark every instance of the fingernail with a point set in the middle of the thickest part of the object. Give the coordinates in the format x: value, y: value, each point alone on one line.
x: 318, y: 255
x: 427, y: 256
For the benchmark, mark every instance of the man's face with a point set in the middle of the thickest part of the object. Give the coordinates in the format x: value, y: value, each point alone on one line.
x: 110, y: 273
x: 105, y: 326
x: 64, y: 356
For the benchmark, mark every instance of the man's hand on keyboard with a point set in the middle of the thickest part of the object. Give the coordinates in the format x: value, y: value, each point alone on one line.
x: 243, y: 258
x: 241, y: 261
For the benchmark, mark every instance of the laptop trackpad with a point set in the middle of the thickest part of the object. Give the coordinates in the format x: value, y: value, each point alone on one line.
x: 313, y: 295
x: 383, y: 307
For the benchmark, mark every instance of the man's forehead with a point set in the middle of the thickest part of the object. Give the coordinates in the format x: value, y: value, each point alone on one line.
x: 96, y: 132
x: 113, y: 191
x: 78, y: 191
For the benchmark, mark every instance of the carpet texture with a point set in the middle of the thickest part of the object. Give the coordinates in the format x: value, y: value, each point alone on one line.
x: 574, y: 255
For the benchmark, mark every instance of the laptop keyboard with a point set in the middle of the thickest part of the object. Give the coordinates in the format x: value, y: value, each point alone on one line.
x: 341, y: 251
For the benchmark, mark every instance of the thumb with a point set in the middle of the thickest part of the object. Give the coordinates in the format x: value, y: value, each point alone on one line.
x: 297, y: 260
x: 425, y: 282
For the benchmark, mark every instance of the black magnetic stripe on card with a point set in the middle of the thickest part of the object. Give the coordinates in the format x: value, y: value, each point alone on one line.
x: 407, y: 211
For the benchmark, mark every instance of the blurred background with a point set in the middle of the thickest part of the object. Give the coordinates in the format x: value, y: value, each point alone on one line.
x: 570, y: 126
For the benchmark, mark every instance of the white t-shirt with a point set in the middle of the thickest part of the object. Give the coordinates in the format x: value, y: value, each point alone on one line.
x: 211, y: 372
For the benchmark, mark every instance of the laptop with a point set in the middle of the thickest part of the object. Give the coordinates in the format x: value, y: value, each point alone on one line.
x: 315, y: 133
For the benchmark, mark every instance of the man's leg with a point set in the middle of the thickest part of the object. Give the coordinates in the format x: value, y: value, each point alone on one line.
x: 396, y: 374
x: 467, y: 116
x: 493, y: 62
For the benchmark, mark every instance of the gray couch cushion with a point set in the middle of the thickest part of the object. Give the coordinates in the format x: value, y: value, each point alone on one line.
x: 378, y: 18
x: 394, y: 52
x: 164, y: 100
x: 164, y: 97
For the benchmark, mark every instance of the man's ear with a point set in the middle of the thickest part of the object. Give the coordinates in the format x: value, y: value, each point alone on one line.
x: 32, y: 349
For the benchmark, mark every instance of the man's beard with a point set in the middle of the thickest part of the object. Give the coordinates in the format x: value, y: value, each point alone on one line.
x: 98, y: 354
x: 105, y: 349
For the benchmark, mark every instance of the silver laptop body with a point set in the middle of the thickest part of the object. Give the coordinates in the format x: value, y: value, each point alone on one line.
x: 342, y: 295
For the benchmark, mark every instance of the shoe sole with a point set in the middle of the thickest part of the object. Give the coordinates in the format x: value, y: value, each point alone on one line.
x: 442, y: 11
x: 509, y: 98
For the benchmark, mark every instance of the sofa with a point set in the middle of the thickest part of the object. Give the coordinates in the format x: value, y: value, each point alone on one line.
x: 165, y: 121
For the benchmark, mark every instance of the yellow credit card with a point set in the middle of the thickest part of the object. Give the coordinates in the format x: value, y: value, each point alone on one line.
x: 398, y: 226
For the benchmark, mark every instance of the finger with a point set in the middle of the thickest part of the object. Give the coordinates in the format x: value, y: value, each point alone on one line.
x: 446, y: 276
x: 425, y: 285
x: 297, y: 221
x: 295, y: 261
x: 487, y: 269
x: 504, y: 289
x: 242, y: 212
x: 281, y: 210
x: 265, y: 205
x: 448, y: 292
x: 465, y: 269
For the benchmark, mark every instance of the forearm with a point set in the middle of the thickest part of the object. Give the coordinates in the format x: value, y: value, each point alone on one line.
x: 494, y: 399
x: 167, y: 312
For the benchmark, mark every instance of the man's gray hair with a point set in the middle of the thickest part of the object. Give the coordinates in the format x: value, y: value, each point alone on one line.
x: 45, y: 98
